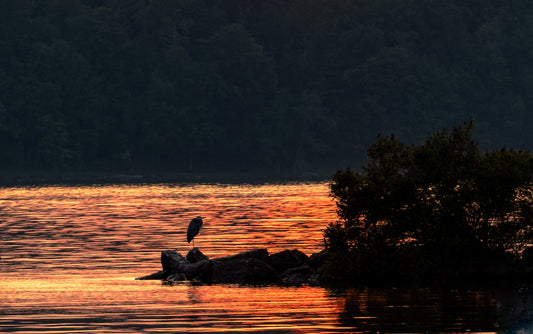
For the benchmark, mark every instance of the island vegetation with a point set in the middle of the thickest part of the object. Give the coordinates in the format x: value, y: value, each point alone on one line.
x: 439, y: 212
x: 273, y: 87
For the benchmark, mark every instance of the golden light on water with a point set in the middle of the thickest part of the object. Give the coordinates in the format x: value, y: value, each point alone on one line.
x: 69, y: 256
x: 111, y: 227
x: 88, y: 304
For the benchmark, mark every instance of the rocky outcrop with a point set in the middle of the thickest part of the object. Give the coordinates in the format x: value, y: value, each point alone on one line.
x: 287, y: 259
x: 240, y: 270
x: 195, y: 255
x: 289, y: 267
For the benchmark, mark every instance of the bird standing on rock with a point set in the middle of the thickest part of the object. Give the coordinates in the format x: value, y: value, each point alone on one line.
x: 194, y: 228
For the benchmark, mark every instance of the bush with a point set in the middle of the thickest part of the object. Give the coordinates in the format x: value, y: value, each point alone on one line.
x: 414, y: 211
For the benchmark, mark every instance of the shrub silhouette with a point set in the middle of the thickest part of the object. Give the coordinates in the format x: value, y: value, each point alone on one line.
x: 429, y: 211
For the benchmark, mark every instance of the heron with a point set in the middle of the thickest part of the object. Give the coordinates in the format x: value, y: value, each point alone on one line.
x: 194, y: 228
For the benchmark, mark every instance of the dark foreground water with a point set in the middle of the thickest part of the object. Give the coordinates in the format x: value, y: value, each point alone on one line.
x: 70, y: 255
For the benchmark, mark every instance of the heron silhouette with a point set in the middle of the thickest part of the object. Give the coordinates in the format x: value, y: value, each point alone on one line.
x: 194, y: 228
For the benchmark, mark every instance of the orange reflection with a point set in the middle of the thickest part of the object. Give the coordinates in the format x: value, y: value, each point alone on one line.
x: 122, y: 227
x: 115, y: 305
x: 69, y: 256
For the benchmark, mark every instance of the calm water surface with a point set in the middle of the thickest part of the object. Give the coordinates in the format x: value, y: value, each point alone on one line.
x: 69, y: 257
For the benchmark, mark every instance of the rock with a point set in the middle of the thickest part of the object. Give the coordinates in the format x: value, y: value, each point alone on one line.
x: 287, y: 259
x: 156, y: 276
x: 295, y: 279
x: 314, y: 279
x: 193, y: 270
x: 304, y: 270
x: 171, y: 260
x: 245, y: 268
x: 195, y: 255
x: 297, y: 276
x: 175, y: 263
x: 290, y: 267
x: 316, y: 260
x: 239, y: 270
x: 260, y: 254
x: 177, y: 277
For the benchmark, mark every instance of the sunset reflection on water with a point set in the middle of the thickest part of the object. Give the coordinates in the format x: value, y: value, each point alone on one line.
x: 60, y: 229
x: 69, y: 256
x: 124, y: 305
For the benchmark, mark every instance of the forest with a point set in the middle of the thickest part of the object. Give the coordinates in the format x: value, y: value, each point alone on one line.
x: 276, y: 87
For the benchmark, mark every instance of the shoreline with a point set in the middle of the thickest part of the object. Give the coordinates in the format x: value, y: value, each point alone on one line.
x: 295, y: 268
x: 38, y: 178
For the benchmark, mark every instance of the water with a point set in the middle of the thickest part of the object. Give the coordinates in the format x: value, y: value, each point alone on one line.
x: 70, y: 255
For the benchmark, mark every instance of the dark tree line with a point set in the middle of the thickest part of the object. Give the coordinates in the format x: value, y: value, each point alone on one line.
x: 277, y: 86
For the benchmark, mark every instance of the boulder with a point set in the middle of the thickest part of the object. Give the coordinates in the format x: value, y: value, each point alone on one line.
x: 195, y: 255
x: 287, y: 259
x: 260, y: 254
x: 304, y: 270
x: 244, y: 270
x: 316, y: 260
x: 171, y: 261
x: 193, y: 270
x: 174, y: 263
x: 294, y: 280
x: 314, y: 279
x: 289, y: 267
x: 176, y: 277
x: 155, y: 276
x: 296, y: 276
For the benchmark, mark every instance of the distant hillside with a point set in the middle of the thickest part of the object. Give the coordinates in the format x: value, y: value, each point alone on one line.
x: 277, y: 87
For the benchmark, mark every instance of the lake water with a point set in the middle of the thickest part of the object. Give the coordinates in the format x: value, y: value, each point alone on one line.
x: 70, y: 256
